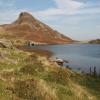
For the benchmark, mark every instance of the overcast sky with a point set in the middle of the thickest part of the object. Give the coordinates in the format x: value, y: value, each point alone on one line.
x: 78, y: 19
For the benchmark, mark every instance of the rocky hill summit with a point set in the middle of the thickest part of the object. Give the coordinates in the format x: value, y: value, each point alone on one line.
x: 29, y: 28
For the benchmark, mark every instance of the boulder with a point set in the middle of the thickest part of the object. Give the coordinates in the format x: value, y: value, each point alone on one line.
x: 5, y: 43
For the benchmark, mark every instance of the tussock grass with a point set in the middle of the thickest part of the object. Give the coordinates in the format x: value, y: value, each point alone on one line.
x: 32, y: 69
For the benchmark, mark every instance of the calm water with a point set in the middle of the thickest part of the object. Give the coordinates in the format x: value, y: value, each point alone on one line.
x: 80, y: 56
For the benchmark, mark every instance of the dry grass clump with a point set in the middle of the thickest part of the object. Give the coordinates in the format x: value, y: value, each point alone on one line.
x: 32, y: 89
x: 32, y: 69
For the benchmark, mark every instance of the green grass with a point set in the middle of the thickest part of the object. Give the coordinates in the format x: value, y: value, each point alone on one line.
x: 32, y: 69
x: 59, y: 77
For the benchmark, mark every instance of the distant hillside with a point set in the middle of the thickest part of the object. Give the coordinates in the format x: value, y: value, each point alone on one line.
x: 29, y: 28
x: 97, y: 41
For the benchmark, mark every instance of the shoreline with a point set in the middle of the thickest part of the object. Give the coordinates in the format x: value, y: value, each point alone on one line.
x: 49, y: 54
x: 40, y: 52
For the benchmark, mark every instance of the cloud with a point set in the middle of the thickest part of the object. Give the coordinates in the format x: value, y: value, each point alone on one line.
x: 49, y: 14
x: 68, y: 5
x: 50, y: 11
x: 11, y: 15
x: 89, y: 10
x: 63, y: 7
x: 68, y: 8
x: 7, y: 16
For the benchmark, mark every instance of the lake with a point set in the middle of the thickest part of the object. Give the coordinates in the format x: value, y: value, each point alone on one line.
x: 80, y: 56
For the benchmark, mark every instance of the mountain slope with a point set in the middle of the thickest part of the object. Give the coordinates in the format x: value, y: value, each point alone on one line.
x: 29, y: 28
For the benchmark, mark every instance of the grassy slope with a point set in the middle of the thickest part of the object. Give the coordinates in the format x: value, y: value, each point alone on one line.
x: 27, y: 76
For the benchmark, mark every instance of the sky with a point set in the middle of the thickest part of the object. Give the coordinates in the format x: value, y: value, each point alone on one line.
x: 78, y: 19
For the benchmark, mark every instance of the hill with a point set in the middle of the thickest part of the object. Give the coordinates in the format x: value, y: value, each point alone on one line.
x: 29, y: 76
x: 29, y: 28
x: 97, y: 41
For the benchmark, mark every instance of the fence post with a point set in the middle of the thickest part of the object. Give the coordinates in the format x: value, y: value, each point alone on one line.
x: 90, y: 71
x: 95, y: 73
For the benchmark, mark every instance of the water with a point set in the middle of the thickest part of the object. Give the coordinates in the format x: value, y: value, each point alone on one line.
x: 80, y: 56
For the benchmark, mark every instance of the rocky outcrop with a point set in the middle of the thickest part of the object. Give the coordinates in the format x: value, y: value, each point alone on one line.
x: 5, y: 43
